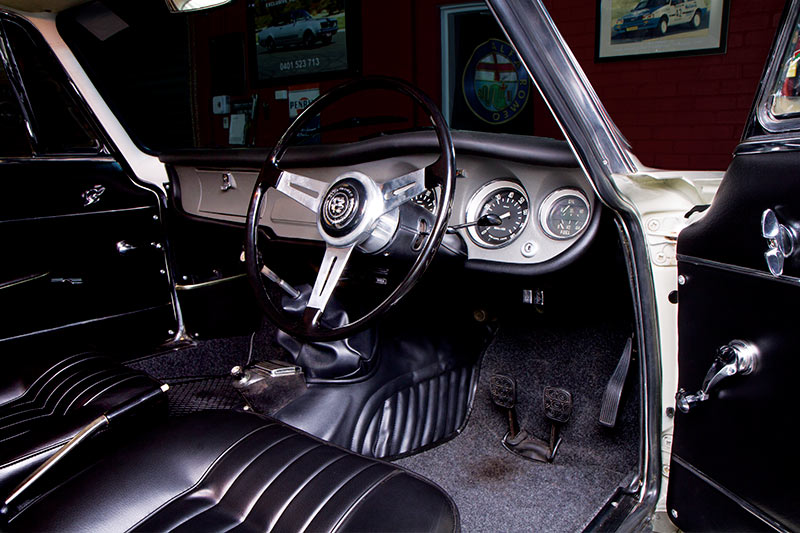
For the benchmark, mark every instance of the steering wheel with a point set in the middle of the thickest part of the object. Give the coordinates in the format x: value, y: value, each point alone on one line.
x: 354, y: 211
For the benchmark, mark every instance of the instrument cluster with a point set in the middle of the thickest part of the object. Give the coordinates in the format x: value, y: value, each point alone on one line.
x: 526, y: 217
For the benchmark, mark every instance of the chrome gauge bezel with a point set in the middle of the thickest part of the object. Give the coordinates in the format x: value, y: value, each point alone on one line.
x: 479, y: 198
x: 549, y: 202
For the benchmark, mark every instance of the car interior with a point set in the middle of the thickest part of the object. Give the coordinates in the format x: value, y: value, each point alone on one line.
x: 385, y: 324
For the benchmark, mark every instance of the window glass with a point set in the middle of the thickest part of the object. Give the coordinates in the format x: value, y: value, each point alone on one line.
x: 137, y: 56
x: 786, y: 91
x: 237, y: 75
x: 14, y: 140
x: 59, y: 123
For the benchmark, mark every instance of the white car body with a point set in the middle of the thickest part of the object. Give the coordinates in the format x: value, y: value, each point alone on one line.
x: 298, y: 28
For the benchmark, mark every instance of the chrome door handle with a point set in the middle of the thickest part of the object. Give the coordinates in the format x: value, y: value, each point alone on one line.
x: 228, y: 182
x: 781, y: 241
x: 124, y: 247
x: 92, y: 195
x: 737, y: 358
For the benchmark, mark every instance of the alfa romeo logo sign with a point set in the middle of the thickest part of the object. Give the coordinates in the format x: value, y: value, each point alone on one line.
x: 496, y: 84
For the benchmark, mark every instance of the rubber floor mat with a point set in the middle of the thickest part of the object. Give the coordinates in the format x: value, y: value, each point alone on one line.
x: 188, y: 395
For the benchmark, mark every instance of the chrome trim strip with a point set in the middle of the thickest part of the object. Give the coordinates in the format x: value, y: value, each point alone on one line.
x: 736, y: 269
x: 69, y: 215
x: 22, y: 280
x: 204, y: 284
x: 90, y: 429
x: 83, y: 323
x: 65, y: 158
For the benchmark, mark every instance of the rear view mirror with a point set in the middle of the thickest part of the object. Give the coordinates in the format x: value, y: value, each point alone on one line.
x: 184, y: 6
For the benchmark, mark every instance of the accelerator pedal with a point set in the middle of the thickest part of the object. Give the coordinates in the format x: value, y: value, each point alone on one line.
x: 611, y: 398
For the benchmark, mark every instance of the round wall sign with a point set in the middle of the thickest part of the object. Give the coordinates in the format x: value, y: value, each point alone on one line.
x: 496, y: 84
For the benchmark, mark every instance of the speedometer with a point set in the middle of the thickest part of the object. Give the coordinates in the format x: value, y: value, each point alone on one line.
x: 564, y: 213
x: 509, y: 202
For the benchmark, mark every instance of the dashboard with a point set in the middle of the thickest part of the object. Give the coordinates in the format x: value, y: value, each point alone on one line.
x: 522, y: 201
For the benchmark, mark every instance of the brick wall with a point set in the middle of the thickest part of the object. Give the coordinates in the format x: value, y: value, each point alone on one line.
x: 685, y: 112
x: 682, y: 113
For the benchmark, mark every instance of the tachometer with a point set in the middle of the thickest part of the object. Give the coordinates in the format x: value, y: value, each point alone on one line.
x: 506, y: 199
x: 564, y: 213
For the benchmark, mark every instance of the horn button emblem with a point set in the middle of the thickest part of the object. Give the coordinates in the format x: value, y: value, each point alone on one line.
x: 343, y: 207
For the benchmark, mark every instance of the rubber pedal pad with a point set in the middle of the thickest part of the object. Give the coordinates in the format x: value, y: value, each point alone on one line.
x: 503, y: 390
x: 557, y: 404
x: 609, y: 408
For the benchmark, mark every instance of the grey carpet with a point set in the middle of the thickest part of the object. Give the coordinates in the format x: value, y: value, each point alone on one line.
x: 498, y: 491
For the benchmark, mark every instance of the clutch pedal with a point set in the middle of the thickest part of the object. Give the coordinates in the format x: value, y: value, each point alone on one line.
x: 504, y: 395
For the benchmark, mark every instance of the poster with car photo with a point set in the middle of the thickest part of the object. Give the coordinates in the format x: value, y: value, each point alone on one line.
x: 299, y: 38
x: 637, y: 28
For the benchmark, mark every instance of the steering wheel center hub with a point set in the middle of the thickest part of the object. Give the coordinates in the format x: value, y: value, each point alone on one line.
x: 343, y: 207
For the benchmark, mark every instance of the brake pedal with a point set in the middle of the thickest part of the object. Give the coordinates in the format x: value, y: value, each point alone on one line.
x: 557, y: 408
x: 557, y: 405
x: 609, y: 408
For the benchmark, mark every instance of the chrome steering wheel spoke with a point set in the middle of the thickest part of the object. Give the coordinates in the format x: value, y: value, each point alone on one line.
x: 304, y: 190
x: 401, y: 189
x: 330, y: 272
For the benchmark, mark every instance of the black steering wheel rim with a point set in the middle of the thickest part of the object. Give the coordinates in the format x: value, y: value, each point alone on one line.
x: 441, y: 172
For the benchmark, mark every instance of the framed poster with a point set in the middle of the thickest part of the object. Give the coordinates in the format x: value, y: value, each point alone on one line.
x: 485, y: 86
x: 296, y: 40
x: 647, y: 28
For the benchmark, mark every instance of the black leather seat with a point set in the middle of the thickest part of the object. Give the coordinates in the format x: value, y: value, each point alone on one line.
x: 219, y: 471
x: 41, y: 409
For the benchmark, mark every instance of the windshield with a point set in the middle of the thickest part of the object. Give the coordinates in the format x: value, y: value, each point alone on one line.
x: 649, y: 4
x: 237, y: 76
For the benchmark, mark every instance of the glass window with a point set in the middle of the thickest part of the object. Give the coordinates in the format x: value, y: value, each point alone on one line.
x: 14, y: 139
x: 786, y: 91
x: 60, y: 125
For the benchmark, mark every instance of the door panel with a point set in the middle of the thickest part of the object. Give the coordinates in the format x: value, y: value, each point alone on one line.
x: 730, y: 233
x: 74, y: 262
x: 83, y: 244
x: 733, y: 465
x: 694, y: 498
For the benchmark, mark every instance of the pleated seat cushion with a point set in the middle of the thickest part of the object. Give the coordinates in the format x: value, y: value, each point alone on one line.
x: 45, y: 409
x: 225, y: 471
